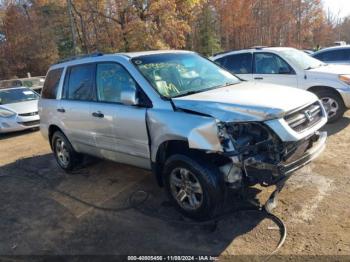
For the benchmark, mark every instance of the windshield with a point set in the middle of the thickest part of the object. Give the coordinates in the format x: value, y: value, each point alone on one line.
x: 301, y: 59
x: 17, y: 95
x: 174, y: 75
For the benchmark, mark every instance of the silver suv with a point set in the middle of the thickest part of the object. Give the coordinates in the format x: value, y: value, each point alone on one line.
x: 200, y: 129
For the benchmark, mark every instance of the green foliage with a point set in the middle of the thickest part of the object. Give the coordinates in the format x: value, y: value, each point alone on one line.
x: 208, y: 40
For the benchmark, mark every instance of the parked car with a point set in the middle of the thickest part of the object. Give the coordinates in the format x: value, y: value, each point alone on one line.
x: 18, y: 109
x: 291, y: 67
x: 339, y: 43
x: 34, y: 83
x: 308, y: 51
x: 334, y: 55
x: 196, y: 126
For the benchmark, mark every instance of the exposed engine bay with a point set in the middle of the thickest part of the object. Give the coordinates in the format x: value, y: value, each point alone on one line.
x: 258, y: 156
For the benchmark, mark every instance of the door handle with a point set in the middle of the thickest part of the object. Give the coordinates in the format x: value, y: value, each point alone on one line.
x: 258, y: 78
x: 98, y: 114
x: 61, y: 110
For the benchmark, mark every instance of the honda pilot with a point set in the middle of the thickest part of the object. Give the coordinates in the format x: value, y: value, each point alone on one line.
x: 201, y: 130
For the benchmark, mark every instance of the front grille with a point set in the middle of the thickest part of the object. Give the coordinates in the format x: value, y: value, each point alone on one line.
x: 29, y: 114
x: 305, y: 118
x: 30, y: 123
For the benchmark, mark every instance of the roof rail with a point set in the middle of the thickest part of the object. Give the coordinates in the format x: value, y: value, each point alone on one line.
x: 258, y: 47
x: 253, y: 47
x: 79, y: 57
x: 224, y: 52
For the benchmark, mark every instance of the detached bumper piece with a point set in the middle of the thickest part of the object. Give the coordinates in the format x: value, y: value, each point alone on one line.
x: 270, y: 174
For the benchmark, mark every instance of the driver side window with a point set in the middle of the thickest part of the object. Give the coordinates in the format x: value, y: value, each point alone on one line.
x: 111, y: 79
x: 267, y: 63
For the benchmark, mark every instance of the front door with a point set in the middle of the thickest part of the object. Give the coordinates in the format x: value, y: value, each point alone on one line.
x: 119, y: 130
x: 272, y: 69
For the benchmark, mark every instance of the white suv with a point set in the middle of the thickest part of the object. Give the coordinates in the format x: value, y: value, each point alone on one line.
x: 291, y: 67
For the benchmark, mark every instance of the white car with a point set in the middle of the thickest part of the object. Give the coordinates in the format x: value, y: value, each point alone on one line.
x: 291, y: 67
x: 18, y: 109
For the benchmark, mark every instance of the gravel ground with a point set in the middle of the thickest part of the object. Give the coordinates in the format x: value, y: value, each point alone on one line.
x: 45, y: 211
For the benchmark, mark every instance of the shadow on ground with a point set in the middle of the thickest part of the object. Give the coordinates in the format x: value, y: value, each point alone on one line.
x: 336, y: 127
x: 37, y: 219
x: 18, y: 133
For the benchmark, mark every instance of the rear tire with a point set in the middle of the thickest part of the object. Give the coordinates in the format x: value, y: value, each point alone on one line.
x: 66, y: 157
x: 333, y: 104
x: 195, y: 187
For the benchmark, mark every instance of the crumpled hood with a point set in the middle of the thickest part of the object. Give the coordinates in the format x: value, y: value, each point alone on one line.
x: 247, y: 101
x: 22, y: 107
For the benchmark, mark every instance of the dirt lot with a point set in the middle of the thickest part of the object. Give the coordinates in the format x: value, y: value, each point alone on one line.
x: 37, y: 216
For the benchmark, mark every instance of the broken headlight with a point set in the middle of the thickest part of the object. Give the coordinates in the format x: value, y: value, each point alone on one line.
x: 242, y: 137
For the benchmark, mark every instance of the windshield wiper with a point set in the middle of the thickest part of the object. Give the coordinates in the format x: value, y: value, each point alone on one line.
x: 309, y: 68
x: 202, y: 90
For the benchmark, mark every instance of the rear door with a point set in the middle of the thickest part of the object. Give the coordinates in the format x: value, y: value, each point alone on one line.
x: 239, y: 64
x: 48, y: 102
x: 119, y: 130
x: 78, y: 93
x: 271, y: 68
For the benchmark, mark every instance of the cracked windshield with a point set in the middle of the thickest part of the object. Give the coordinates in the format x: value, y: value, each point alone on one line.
x: 174, y: 75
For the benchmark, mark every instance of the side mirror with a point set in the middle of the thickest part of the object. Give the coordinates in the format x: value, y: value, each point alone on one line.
x: 129, y: 97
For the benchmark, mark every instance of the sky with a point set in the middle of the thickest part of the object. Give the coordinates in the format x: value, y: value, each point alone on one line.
x: 338, y: 6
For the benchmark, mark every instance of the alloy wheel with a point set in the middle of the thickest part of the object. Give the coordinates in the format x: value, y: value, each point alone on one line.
x: 62, y: 152
x: 331, y: 106
x: 186, y: 189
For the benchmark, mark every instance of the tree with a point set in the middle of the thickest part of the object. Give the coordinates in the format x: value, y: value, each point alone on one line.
x: 206, y: 40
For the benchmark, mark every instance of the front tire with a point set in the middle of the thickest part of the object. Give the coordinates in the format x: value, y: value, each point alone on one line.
x: 333, y: 104
x: 66, y: 157
x: 194, y: 186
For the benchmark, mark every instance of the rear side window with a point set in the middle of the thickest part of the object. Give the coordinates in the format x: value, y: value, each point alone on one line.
x: 80, y: 83
x: 237, y: 64
x: 51, y: 84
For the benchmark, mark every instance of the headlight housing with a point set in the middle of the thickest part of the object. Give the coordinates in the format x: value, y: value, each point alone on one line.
x: 238, y: 136
x: 6, y: 113
x: 345, y: 79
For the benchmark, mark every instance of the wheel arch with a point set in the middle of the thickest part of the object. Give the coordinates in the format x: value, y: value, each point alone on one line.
x: 318, y: 88
x: 52, y: 130
x: 164, y: 150
x: 171, y: 147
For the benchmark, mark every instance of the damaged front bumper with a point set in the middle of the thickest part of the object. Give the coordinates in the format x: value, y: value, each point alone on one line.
x: 257, y: 171
x: 286, y: 167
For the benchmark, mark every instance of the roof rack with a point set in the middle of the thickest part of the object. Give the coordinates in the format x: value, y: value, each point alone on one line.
x: 79, y: 57
x: 253, y: 47
x: 258, y: 47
